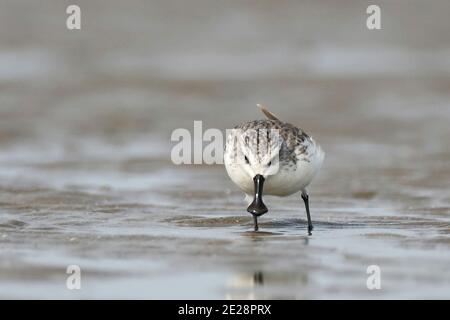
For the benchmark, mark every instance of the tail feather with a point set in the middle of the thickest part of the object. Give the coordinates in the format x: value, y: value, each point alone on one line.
x: 267, y: 113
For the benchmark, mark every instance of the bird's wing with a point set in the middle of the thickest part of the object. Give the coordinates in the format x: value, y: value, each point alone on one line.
x: 267, y: 113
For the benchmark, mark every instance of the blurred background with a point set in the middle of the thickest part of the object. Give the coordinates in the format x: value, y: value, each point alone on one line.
x: 85, y: 171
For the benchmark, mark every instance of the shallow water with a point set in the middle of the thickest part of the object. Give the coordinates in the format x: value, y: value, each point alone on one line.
x: 85, y: 171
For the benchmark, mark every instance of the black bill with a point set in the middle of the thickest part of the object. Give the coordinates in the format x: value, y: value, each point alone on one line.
x: 257, y: 207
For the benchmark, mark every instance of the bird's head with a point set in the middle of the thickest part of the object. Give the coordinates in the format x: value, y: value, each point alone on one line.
x: 259, y: 151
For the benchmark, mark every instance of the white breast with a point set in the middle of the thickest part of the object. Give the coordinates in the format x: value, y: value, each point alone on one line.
x: 288, y: 179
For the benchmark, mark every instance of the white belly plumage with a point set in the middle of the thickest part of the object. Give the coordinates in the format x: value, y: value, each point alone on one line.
x: 285, y: 182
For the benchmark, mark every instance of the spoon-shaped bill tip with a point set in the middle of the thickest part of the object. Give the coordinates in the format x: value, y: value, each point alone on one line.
x: 257, y: 207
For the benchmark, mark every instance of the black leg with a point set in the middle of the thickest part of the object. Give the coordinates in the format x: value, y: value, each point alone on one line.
x: 255, y: 220
x: 305, y: 198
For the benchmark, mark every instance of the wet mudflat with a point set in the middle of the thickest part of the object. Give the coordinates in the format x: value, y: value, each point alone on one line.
x: 86, y: 177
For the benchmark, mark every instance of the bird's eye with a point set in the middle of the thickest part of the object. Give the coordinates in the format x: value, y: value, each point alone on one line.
x: 269, y: 164
x: 246, y: 160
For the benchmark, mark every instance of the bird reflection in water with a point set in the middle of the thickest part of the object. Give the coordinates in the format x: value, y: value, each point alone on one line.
x: 244, y: 286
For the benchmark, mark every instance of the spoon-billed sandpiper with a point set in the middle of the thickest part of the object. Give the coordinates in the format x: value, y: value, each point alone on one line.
x: 273, y: 156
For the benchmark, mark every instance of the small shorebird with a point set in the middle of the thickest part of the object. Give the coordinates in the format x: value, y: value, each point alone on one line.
x: 271, y: 156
